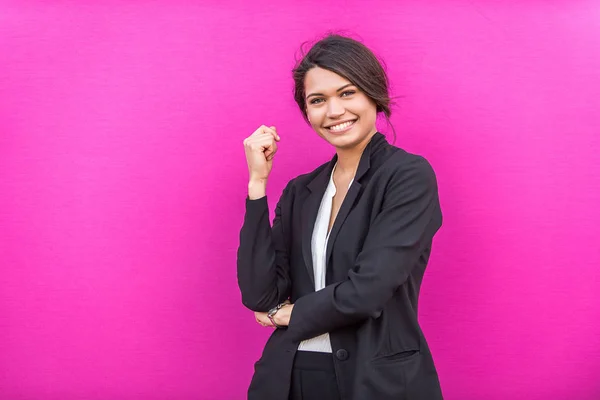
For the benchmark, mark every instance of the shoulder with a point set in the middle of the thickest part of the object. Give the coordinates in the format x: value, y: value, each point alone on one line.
x: 400, y: 161
x: 403, y: 167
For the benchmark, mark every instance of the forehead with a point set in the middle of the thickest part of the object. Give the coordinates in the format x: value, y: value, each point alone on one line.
x: 322, y: 80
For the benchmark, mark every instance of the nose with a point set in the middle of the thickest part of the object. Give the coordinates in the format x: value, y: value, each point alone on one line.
x: 334, y: 109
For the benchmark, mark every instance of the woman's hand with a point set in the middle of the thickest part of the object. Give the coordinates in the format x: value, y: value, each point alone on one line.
x: 260, y: 148
x: 261, y: 318
x: 282, y: 316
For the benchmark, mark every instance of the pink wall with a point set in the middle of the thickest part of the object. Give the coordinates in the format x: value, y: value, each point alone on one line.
x: 122, y: 184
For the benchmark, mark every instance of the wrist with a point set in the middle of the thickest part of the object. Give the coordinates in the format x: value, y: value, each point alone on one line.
x: 257, y: 188
x: 272, y: 314
x: 282, y: 318
x: 277, y: 315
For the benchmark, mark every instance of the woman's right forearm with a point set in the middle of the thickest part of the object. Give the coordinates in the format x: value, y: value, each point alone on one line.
x: 257, y: 188
x: 262, y: 264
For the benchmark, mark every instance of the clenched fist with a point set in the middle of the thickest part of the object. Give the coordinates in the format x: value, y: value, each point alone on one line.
x: 260, y: 149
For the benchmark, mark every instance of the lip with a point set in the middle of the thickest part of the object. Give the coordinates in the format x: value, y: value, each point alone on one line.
x: 345, y: 129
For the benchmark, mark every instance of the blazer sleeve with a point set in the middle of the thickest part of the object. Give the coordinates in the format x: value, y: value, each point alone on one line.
x: 406, y: 224
x: 262, y: 257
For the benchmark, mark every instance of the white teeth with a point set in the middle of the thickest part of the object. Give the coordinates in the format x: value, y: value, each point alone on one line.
x: 341, y: 127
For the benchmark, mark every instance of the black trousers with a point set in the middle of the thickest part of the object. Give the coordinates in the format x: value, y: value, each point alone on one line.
x: 313, y: 377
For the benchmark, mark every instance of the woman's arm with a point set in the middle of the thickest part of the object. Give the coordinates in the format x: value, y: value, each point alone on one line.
x: 409, y: 219
x: 262, y: 257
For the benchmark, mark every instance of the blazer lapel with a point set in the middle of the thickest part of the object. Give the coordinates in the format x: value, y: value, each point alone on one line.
x: 345, y: 208
x: 355, y: 188
x: 317, y: 188
x: 310, y: 209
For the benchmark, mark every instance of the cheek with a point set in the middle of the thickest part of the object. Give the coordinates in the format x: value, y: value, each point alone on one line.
x: 367, y: 108
x: 370, y: 114
x: 314, y: 119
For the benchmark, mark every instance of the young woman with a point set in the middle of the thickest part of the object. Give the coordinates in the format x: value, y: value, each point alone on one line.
x: 338, y: 274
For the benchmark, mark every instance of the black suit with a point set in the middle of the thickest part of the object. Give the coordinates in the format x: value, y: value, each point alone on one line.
x: 376, y: 256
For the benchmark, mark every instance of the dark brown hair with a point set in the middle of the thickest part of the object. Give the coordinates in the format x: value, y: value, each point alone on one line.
x: 350, y: 59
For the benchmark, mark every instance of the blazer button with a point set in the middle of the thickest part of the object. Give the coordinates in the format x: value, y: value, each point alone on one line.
x: 341, y: 354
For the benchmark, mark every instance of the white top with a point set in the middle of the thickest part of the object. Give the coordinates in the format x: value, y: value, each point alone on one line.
x: 320, y: 237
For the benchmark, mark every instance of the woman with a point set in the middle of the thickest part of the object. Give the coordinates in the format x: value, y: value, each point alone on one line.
x: 338, y: 274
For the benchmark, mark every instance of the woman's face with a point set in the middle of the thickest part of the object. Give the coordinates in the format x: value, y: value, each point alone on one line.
x: 337, y: 110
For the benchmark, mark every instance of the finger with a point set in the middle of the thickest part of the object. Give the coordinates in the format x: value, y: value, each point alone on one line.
x: 262, y: 130
x: 262, y: 139
x: 276, y: 134
x: 270, y: 131
x: 258, y: 134
x: 266, y: 323
x: 265, y: 144
x: 273, y: 131
x: 271, y: 156
x: 270, y: 151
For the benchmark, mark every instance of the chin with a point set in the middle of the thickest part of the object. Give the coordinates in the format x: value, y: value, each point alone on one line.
x: 345, y: 141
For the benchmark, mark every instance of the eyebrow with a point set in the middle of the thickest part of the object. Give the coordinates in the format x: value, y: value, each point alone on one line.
x: 321, y: 94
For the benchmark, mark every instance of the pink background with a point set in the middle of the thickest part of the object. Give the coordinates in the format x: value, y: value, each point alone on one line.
x: 123, y: 178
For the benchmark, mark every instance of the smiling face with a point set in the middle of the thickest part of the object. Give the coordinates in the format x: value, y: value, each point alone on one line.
x: 337, y: 110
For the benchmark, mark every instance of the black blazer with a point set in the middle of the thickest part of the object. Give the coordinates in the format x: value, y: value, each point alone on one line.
x: 377, y: 252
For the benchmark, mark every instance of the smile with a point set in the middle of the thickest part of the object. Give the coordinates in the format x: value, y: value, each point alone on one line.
x: 342, y: 127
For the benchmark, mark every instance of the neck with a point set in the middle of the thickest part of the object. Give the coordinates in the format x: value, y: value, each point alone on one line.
x: 348, y: 159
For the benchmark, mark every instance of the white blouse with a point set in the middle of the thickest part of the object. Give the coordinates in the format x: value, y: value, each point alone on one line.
x: 320, y: 237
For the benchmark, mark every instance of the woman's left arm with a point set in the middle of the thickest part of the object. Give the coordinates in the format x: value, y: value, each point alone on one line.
x: 410, y: 217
